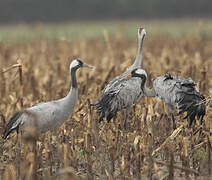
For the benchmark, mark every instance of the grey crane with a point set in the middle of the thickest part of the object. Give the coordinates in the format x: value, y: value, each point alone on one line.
x: 180, y: 93
x: 135, y: 65
x: 48, y: 115
x: 123, y: 95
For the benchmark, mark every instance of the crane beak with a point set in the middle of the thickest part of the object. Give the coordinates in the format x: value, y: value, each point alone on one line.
x: 88, y: 66
x: 140, y: 30
x: 129, y: 76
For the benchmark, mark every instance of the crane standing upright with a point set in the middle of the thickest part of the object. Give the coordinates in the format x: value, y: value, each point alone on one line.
x: 49, y: 115
x: 137, y: 63
x: 119, y: 86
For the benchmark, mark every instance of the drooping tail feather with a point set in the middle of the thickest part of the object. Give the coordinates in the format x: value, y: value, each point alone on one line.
x: 104, y: 108
x: 100, y: 111
x: 193, y: 104
x: 12, y: 124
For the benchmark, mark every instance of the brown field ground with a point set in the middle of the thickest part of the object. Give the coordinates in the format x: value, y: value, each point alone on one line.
x: 84, y: 149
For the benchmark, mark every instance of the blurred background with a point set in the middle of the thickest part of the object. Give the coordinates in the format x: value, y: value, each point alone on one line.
x: 44, y: 35
x: 13, y: 11
x: 67, y: 18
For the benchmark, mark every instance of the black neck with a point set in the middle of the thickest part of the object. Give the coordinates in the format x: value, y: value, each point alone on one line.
x: 73, y: 77
x: 143, y: 78
x: 143, y: 82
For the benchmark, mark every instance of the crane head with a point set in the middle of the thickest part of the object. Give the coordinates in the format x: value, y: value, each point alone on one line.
x: 76, y: 63
x: 141, y: 32
x: 139, y: 73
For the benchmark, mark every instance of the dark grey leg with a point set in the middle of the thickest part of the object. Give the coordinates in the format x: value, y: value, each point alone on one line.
x: 201, y: 124
x: 201, y: 120
x: 125, y: 119
x: 171, y: 111
x: 126, y: 113
x: 173, y: 121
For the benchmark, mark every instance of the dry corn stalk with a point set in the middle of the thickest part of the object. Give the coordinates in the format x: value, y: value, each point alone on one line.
x: 10, y: 173
x: 170, y: 138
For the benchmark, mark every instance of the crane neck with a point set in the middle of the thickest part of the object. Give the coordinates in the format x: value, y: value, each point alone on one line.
x: 68, y: 103
x: 149, y: 92
x: 143, y: 83
x: 70, y: 100
x: 138, y: 60
x: 73, y: 78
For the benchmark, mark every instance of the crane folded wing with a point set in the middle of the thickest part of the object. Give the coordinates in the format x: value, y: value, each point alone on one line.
x: 191, y: 101
x: 13, y: 124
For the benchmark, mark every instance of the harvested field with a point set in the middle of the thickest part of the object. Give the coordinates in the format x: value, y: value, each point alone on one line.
x: 84, y: 149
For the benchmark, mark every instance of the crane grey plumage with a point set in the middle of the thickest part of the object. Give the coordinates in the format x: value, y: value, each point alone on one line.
x: 123, y: 95
x: 180, y: 93
x: 137, y: 63
x: 49, y: 115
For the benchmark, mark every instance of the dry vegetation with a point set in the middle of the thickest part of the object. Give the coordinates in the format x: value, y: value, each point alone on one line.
x: 84, y: 149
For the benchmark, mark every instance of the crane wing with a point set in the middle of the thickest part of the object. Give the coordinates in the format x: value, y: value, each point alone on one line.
x: 181, y: 93
x: 122, y: 94
x: 114, y: 82
x: 13, y: 124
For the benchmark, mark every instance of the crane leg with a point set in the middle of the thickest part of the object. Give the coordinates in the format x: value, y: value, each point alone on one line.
x: 201, y: 120
x: 200, y: 131
x: 171, y: 111
x: 125, y: 118
x: 173, y: 121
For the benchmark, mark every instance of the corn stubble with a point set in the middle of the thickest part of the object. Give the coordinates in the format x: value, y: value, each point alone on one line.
x: 84, y: 149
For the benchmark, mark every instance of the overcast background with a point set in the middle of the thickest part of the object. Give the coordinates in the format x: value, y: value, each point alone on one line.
x: 20, y: 11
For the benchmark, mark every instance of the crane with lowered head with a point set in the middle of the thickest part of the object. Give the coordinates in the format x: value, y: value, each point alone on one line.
x: 180, y: 93
x: 123, y: 96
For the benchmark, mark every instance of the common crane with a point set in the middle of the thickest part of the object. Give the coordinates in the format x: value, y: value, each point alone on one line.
x: 48, y: 115
x: 180, y: 93
x: 123, y: 95
x: 135, y: 65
